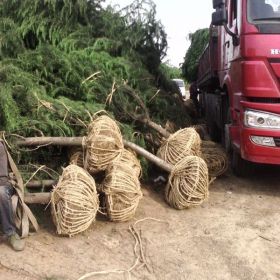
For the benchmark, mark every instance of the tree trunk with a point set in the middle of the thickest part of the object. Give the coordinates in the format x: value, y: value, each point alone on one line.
x: 154, y: 142
x: 145, y: 118
x: 77, y: 141
x: 45, y: 141
x: 156, y: 127
x: 41, y: 184
x: 149, y: 156
x: 37, y: 198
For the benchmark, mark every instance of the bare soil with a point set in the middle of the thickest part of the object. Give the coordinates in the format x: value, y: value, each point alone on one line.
x: 234, y: 235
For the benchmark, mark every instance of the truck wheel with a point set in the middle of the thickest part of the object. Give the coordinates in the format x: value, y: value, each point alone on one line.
x: 240, y: 167
x: 213, y: 130
x: 226, y: 141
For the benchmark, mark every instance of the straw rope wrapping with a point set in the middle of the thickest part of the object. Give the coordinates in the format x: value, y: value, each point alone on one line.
x: 185, y: 142
x: 128, y: 159
x: 216, y: 160
x: 188, y: 183
x: 74, y: 201
x: 201, y: 130
x: 122, y: 190
x: 77, y: 158
x: 208, y: 144
x: 103, y: 144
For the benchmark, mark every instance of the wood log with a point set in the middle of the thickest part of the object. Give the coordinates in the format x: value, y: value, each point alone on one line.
x: 37, y: 198
x: 154, y: 142
x: 41, y: 183
x: 145, y: 118
x: 149, y: 156
x: 77, y: 141
x: 156, y: 127
x: 44, y: 141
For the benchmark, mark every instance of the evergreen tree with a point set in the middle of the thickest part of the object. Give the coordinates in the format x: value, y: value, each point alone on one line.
x: 199, y: 40
x: 60, y: 58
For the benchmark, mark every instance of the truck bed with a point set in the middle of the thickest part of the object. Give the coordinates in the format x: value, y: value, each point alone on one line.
x: 208, y: 64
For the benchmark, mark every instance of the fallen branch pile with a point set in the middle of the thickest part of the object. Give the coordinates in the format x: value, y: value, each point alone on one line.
x: 161, y: 163
x: 104, y: 150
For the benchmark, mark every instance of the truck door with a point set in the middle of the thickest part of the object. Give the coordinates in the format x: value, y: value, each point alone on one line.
x: 228, y: 46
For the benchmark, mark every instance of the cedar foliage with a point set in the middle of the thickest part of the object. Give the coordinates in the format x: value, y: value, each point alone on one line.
x: 199, y: 40
x: 171, y: 72
x: 60, y: 59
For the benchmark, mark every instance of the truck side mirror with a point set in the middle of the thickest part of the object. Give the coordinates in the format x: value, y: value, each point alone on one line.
x: 218, y: 3
x: 219, y: 17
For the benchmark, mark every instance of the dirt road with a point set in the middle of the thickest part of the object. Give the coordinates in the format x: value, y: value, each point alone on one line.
x: 234, y: 235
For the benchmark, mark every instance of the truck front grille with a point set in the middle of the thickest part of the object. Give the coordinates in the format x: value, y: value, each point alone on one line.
x: 268, y: 100
x: 277, y: 142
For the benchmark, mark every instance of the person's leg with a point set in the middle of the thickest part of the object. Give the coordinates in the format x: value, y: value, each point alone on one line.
x: 6, y: 211
x: 7, y: 218
x: 4, y: 174
x: 6, y: 192
x: 196, y: 103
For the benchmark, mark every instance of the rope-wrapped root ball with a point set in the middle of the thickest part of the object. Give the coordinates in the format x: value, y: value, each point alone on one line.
x: 201, y: 130
x: 216, y: 160
x: 190, y: 107
x: 122, y: 191
x: 104, y: 144
x: 208, y: 144
x: 128, y: 159
x: 74, y: 201
x: 185, y: 142
x: 188, y: 183
x: 77, y: 158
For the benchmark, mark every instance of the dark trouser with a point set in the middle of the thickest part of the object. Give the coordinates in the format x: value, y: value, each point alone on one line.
x: 194, y: 98
x: 6, y: 193
x: 6, y: 210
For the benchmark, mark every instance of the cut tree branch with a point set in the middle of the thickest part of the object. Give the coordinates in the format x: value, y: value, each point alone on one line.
x: 41, y: 183
x: 37, y: 198
x: 77, y: 141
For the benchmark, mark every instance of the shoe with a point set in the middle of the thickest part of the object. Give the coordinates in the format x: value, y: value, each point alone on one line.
x: 16, y: 242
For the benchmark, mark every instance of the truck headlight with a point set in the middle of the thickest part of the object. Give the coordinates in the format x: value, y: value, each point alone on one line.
x: 263, y: 141
x: 261, y: 120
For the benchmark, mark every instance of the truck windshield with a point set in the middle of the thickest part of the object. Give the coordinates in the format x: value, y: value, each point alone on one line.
x: 264, y: 11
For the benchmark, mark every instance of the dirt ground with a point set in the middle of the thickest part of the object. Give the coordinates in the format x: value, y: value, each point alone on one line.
x: 234, y: 235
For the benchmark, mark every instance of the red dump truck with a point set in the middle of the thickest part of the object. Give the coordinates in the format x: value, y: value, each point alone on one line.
x: 239, y: 77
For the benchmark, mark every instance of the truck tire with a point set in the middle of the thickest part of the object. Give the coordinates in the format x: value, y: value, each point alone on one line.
x: 240, y: 167
x: 213, y: 129
x: 226, y: 141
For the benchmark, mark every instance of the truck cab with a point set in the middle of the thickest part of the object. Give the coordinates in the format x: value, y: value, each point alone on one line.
x: 239, y: 74
x: 182, y: 89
